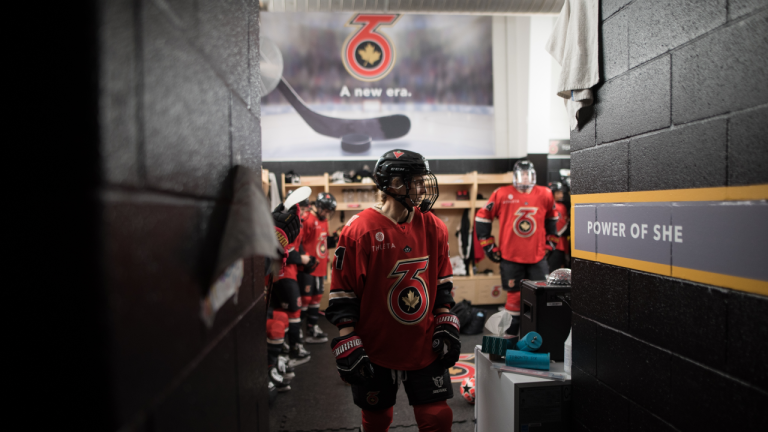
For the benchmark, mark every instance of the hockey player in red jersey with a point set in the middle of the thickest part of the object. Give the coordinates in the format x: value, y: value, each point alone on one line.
x: 315, y: 242
x: 391, y: 298
x: 526, y: 214
x: 558, y: 243
x: 286, y: 297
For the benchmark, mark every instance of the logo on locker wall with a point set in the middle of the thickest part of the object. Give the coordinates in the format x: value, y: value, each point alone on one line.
x: 367, y: 54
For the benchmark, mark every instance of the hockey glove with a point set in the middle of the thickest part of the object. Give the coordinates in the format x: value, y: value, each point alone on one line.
x: 351, y: 359
x: 311, y: 265
x: 552, y: 241
x: 446, y: 340
x: 491, y: 250
x: 287, y: 225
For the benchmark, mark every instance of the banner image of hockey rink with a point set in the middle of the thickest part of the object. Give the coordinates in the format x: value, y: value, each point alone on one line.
x: 376, y: 82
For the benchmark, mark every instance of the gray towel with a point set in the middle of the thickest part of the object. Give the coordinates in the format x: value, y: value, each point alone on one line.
x: 573, y: 44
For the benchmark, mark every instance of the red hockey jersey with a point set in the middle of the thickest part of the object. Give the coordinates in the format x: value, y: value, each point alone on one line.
x: 562, y: 226
x: 315, y: 235
x: 290, y: 271
x: 522, y: 234
x: 385, y: 279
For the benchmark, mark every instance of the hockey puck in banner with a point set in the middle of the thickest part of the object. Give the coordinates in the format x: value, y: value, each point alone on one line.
x: 355, y: 142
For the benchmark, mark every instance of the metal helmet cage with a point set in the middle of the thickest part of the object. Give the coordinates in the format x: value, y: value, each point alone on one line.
x: 326, y: 201
x: 404, y: 175
x: 523, y: 169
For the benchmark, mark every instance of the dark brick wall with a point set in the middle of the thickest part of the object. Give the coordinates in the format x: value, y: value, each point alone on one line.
x: 178, y: 109
x: 682, y: 104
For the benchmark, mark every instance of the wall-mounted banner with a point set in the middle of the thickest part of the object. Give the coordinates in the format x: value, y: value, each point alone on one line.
x: 357, y: 85
x: 712, y: 236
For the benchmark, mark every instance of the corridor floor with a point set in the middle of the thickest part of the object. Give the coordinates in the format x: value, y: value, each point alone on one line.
x: 319, y: 401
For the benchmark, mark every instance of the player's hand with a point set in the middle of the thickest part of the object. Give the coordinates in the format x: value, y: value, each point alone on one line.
x: 310, y: 266
x: 287, y: 225
x: 351, y: 360
x: 552, y: 241
x: 491, y: 250
x: 446, y: 339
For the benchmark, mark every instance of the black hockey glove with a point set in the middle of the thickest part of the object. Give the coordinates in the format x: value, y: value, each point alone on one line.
x: 311, y: 265
x: 446, y: 340
x: 552, y: 241
x: 351, y: 359
x: 287, y: 225
x: 490, y: 248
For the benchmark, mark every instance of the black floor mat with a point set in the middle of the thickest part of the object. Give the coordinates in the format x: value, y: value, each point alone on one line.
x: 319, y: 401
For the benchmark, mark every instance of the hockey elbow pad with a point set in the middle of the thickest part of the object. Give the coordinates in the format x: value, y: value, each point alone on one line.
x: 490, y: 248
x: 351, y: 360
x: 446, y: 340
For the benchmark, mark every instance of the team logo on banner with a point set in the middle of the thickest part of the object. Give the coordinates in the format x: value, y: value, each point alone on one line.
x: 464, y: 368
x: 367, y: 54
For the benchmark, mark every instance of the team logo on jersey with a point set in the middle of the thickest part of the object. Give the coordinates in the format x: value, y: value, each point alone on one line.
x: 489, y: 206
x: 380, y: 236
x: 322, y: 246
x: 525, y: 224
x: 369, y: 55
x: 408, y: 298
x: 438, y: 381
x: 398, y: 154
x: 407, y: 249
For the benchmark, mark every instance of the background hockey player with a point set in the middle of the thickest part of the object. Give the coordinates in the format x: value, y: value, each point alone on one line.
x: 315, y: 242
x: 557, y: 243
x: 526, y: 214
x: 391, y: 298
x: 286, y: 298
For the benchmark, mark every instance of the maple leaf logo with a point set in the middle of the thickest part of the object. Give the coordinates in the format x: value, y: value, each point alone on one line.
x: 369, y: 54
x: 525, y: 225
x: 398, y: 154
x: 411, y: 301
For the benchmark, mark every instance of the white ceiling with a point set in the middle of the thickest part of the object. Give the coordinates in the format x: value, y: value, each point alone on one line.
x: 483, y: 7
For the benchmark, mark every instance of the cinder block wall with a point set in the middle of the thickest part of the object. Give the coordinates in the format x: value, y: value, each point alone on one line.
x: 683, y: 104
x: 178, y: 108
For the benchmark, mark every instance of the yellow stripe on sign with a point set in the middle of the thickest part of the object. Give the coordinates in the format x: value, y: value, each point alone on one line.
x: 646, y: 266
x: 739, y: 283
x: 727, y: 193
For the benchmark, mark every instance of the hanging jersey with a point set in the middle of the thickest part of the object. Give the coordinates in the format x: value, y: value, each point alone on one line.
x: 522, y: 234
x: 562, y: 226
x: 315, y: 241
x: 386, y: 279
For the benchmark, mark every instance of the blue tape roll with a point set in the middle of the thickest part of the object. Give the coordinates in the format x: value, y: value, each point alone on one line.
x: 531, y: 342
x: 528, y: 360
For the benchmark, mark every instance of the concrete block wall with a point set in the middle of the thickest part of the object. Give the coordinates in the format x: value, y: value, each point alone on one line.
x: 683, y: 103
x: 178, y: 109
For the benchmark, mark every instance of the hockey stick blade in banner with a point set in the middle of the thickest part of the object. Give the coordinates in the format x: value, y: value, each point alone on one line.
x: 381, y: 128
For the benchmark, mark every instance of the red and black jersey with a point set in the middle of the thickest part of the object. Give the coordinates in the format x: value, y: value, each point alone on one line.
x: 290, y: 270
x: 315, y: 241
x: 562, y: 226
x: 386, y: 280
x: 522, y: 234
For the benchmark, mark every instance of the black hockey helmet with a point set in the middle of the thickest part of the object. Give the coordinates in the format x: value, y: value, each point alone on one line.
x: 325, y: 201
x: 398, y: 169
x: 556, y: 186
x: 524, y: 175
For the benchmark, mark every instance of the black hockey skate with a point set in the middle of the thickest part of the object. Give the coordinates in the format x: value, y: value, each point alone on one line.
x: 277, y: 380
x: 298, y: 355
x: 315, y: 335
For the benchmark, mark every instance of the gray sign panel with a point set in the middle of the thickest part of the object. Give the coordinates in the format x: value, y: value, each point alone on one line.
x: 627, y: 230
x: 583, y: 217
x: 722, y: 237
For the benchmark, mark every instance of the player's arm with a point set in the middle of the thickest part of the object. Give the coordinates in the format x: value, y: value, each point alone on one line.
x: 483, y: 226
x: 348, y: 272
